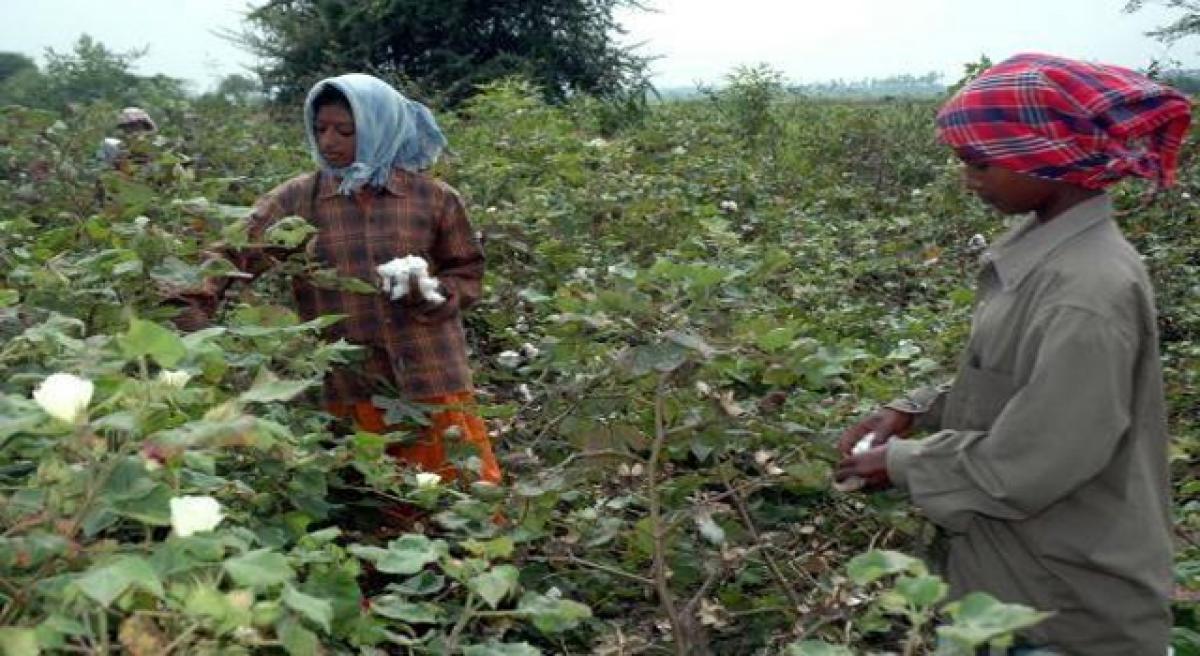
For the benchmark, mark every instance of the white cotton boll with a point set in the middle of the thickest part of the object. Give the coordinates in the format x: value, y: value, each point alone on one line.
x: 509, y: 359
x: 529, y: 350
x: 427, y: 480
x: 524, y: 393
x: 190, y: 515
x: 177, y: 379
x: 977, y: 243
x: 64, y: 396
x: 854, y: 483
x: 863, y: 444
x: 729, y: 206
x: 429, y: 289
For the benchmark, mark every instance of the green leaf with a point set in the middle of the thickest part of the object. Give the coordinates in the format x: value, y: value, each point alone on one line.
x: 204, y: 600
x: 18, y: 642
x: 874, y: 565
x: 297, y: 640
x: 319, y: 611
x: 501, y: 547
x: 153, y: 508
x: 815, y: 648
x: 922, y: 592
x: 397, y: 608
x: 405, y: 555
x: 289, y: 232
x: 552, y: 615
x: 9, y: 297
x: 275, y: 390
x: 495, y: 584
x: 104, y: 583
x: 423, y: 584
x: 502, y: 649
x: 259, y: 568
x: 148, y: 338
x: 980, y: 618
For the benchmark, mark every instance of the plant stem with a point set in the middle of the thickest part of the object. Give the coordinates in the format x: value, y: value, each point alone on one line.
x: 659, y: 566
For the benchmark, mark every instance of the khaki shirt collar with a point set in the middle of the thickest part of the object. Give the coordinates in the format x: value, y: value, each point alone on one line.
x: 395, y: 184
x: 1023, y: 248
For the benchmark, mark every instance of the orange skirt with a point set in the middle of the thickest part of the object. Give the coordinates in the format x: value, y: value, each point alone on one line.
x: 429, y: 452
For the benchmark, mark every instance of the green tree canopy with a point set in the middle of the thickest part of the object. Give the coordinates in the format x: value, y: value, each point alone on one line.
x: 445, y: 47
x: 12, y: 63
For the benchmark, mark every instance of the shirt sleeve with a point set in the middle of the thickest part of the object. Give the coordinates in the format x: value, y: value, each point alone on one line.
x: 1055, y: 433
x: 925, y: 404
x: 250, y: 261
x: 456, y: 252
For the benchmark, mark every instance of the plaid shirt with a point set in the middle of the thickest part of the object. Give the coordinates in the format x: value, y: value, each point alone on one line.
x: 412, y: 215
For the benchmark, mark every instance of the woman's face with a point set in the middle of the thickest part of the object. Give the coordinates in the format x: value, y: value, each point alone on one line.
x: 334, y: 128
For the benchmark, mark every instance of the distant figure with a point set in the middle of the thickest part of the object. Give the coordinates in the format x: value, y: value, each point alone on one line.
x: 131, y: 122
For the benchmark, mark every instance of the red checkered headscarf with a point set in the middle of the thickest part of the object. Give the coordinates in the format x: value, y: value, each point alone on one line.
x: 1061, y: 119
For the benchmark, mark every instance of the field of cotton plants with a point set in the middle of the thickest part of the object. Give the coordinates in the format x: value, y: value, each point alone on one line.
x: 684, y: 307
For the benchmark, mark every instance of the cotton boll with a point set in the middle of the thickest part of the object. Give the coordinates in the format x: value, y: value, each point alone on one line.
x: 190, y: 515
x: 854, y: 483
x: 64, y: 396
x: 509, y: 359
x: 530, y: 351
x: 429, y: 289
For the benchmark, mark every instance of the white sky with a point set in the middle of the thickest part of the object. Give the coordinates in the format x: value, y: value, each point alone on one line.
x: 697, y: 40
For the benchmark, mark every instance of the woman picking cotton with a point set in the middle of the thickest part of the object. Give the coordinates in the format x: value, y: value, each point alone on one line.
x: 1048, y: 467
x: 380, y: 218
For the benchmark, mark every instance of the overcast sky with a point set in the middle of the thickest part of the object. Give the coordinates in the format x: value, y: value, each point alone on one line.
x: 696, y: 40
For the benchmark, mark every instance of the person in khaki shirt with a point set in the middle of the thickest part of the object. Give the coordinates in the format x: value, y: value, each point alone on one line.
x: 1047, y: 466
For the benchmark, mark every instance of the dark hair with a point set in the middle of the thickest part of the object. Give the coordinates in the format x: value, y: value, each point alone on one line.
x: 330, y: 95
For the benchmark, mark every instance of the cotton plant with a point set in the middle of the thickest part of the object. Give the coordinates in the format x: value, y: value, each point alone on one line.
x: 397, y: 276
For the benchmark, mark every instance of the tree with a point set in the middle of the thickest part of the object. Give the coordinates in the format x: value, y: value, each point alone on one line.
x: 12, y: 63
x: 445, y: 47
x: 1186, y: 25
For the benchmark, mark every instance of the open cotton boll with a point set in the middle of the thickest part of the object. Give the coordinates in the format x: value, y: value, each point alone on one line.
x: 429, y: 289
x: 854, y: 483
x: 194, y: 514
x: 64, y: 396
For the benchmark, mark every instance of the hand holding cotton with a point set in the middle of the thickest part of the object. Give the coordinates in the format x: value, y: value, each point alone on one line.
x: 398, y: 274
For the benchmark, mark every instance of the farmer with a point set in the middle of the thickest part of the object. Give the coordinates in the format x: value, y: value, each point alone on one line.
x: 371, y: 204
x: 1048, y: 469
x: 132, y: 122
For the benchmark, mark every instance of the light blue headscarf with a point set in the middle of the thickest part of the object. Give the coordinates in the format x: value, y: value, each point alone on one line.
x: 391, y: 131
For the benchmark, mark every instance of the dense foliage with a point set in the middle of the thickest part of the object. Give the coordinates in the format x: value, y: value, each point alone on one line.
x: 680, y: 316
x: 445, y: 48
x: 89, y: 72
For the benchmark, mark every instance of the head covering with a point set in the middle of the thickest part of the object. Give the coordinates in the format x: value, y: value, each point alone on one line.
x: 1061, y: 119
x: 391, y: 131
x: 134, y: 116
